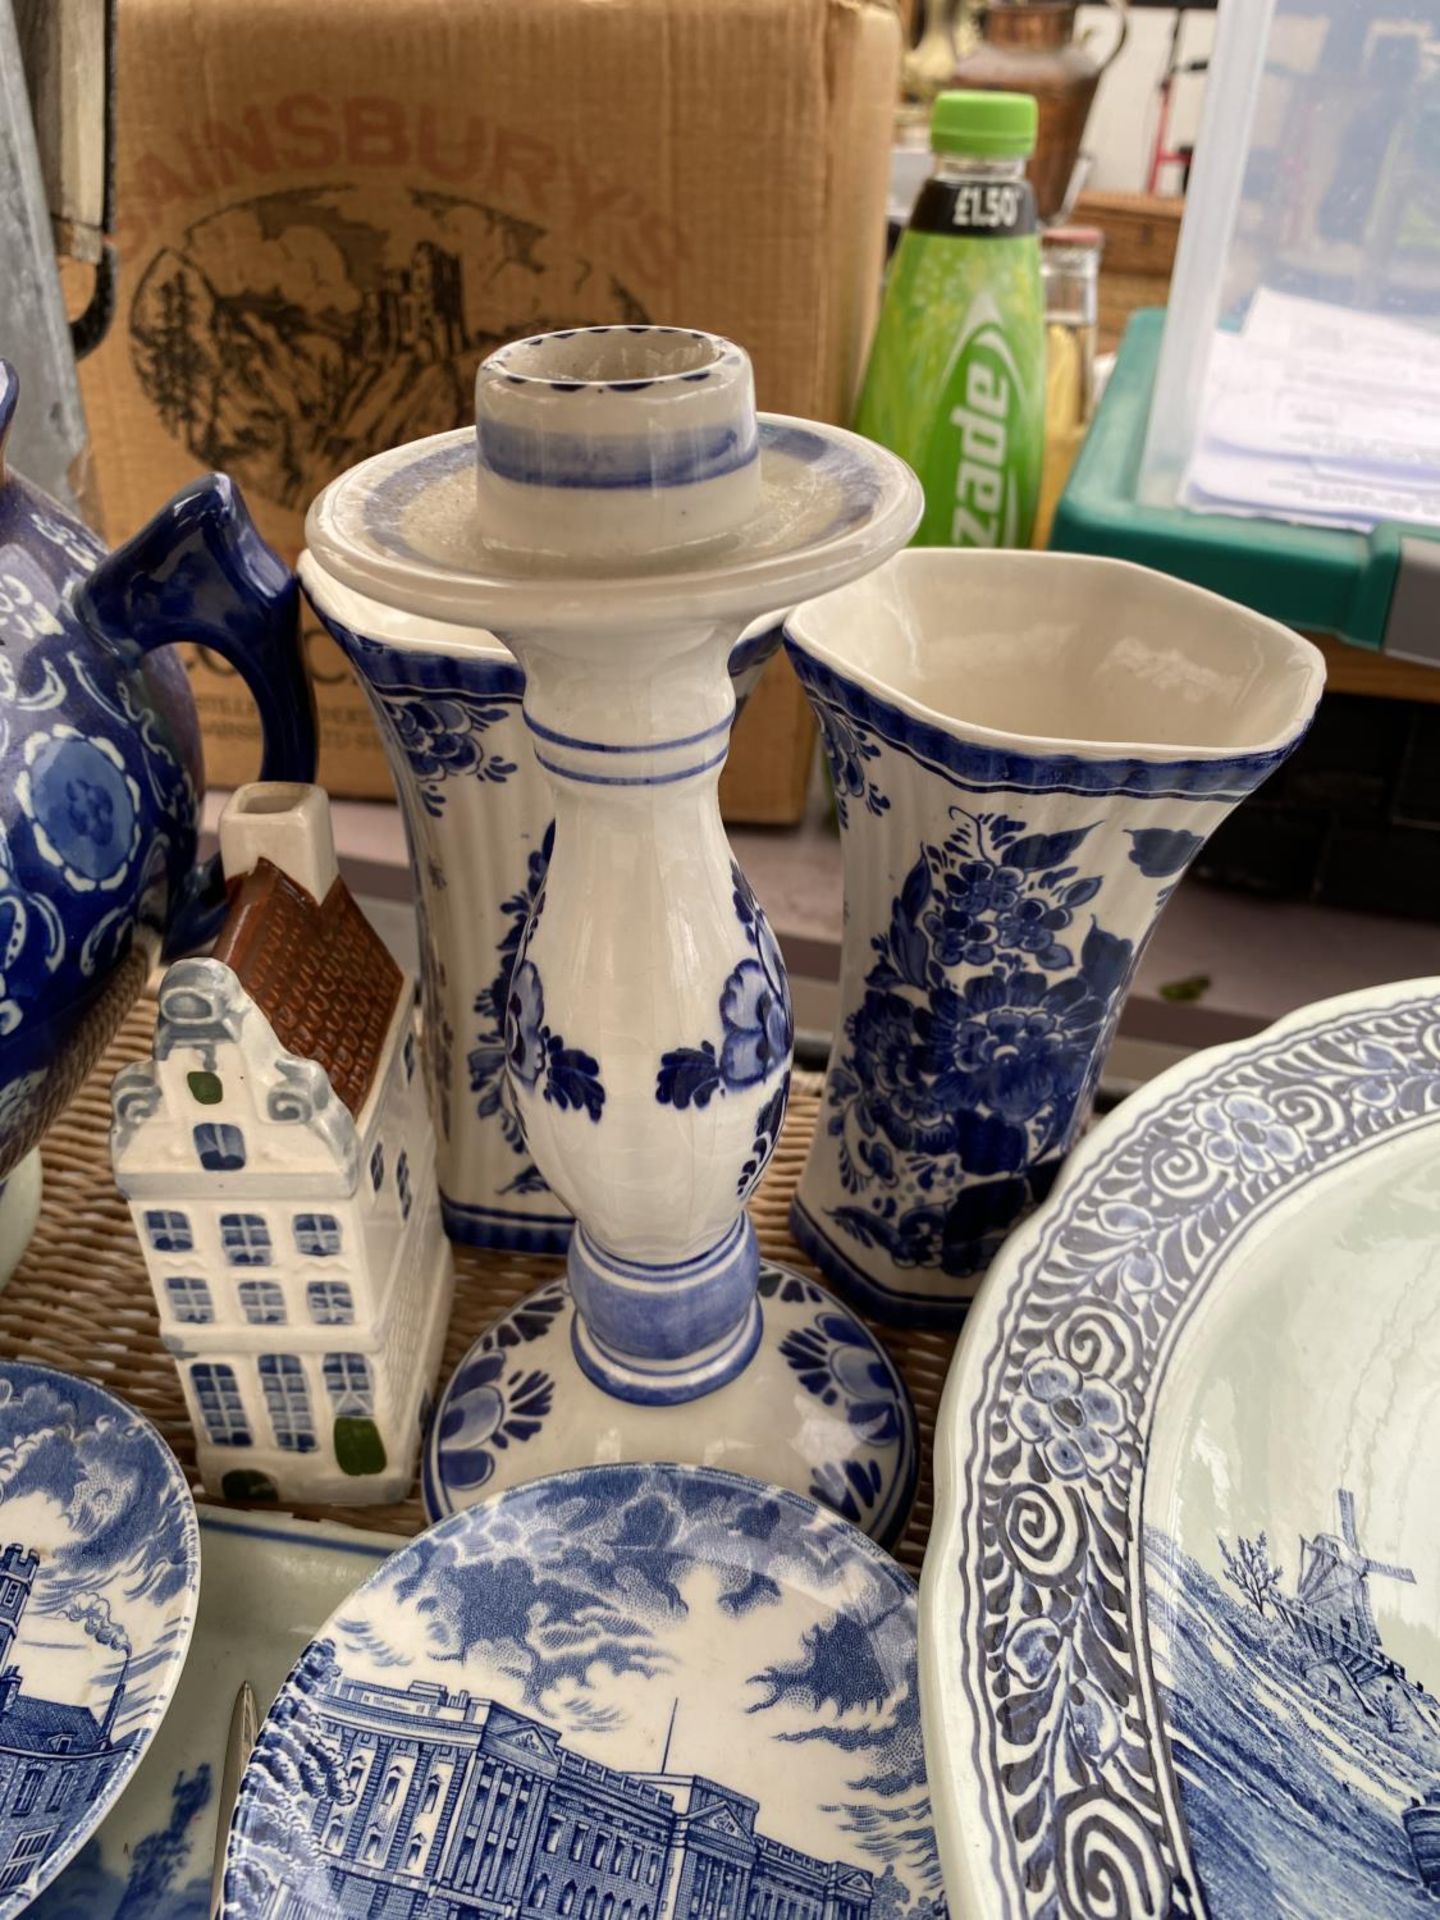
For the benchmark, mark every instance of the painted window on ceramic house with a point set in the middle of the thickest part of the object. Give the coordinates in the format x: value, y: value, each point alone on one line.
x: 317, y: 1235
x: 377, y: 1166
x: 245, y: 1239
x: 262, y: 1302
x: 190, y: 1300
x: 169, y: 1232
x: 287, y: 1401
x: 217, y: 1393
x: 349, y: 1383
x: 409, y: 1057
x: 28, y: 1850
x: 350, y: 1386
x: 221, y: 1148
x: 331, y: 1303
x: 402, y: 1184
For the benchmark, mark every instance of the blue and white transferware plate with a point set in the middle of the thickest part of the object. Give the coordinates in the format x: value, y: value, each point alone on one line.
x: 1182, y: 1603
x: 619, y: 1694
x: 99, y: 1578
x: 268, y: 1583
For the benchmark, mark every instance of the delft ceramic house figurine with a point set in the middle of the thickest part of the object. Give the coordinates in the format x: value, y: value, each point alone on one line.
x: 1027, y: 752
x: 279, y: 1162
x: 618, y: 519
x: 477, y: 811
x: 101, y: 775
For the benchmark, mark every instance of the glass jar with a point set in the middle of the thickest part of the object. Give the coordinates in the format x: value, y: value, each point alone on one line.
x: 1070, y: 271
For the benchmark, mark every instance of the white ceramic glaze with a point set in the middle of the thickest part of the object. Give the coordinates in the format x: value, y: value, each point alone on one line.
x: 648, y: 1026
x: 613, y: 485
x: 1027, y: 752
x: 1180, y: 1650
x: 295, y: 1248
x: 661, y: 1686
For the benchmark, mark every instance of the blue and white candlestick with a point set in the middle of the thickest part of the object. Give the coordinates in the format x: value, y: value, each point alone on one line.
x: 620, y: 516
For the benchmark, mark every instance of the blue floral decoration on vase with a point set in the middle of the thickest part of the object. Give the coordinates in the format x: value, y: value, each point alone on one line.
x: 488, y: 1057
x: 538, y: 1059
x: 758, y: 1033
x: 978, y: 1083
x: 443, y: 735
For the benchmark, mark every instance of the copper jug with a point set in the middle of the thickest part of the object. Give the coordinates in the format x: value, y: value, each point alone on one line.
x: 1029, y: 46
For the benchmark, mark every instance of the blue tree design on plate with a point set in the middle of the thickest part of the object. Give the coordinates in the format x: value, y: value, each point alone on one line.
x: 488, y: 1056
x: 442, y: 736
x: 567, y: 1609
x: 567, y: 1076
x: 973, y: 1053
x: 848, y: 750
x: 295, y: 1763
x: 758, y: 1031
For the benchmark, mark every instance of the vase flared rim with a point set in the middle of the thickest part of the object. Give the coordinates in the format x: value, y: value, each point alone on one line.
x: 833, y: 505
x: 808, y: 623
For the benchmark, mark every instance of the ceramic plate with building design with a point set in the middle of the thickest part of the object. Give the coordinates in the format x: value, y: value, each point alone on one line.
x: 625, y: 1693
x: 268, y: 1582
x: 1181, y: 1651
x: 99, y: 1573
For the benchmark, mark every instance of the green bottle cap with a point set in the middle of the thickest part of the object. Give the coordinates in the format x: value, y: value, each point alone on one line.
x: 993, y: 126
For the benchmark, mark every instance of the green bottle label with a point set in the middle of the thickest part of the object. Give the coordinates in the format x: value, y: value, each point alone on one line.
x: 956, y: 377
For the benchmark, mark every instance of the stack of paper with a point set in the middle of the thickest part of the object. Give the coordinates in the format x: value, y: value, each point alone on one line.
x: 1320, y: 414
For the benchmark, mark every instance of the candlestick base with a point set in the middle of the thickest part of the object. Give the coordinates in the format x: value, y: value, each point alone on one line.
x: 820, y: 1408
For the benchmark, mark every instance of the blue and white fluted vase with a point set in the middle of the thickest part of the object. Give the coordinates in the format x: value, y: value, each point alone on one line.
x: 478, y: 821
x: 1027, y: 751
x: 619, y: 519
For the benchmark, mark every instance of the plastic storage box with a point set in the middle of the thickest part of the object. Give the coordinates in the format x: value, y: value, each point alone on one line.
x: 1314, y: 205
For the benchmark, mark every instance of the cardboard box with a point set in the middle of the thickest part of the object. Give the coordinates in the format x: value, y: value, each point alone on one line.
x: 328, y: 211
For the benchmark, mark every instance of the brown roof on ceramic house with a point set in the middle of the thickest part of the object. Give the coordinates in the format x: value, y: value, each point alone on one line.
x: 318, y: 971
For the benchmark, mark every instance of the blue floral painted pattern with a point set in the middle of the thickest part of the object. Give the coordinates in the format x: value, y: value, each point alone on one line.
x: 539, y: 1059
x: 757, y: 1034
x: 835, y: 1359
x: 848, y: 752
x: 972, y: 1056
x: 487, y: 1058
x: 442, y: 735
x: 493, y: 1402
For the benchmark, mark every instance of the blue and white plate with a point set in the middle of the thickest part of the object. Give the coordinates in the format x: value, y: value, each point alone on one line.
x: 618, y: 1694
x: 1182, y: 1602
x: 268, y: 1583
x: 99, y: 1578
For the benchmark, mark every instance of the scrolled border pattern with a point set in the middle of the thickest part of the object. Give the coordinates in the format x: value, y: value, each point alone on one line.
x: 1072, y: 1770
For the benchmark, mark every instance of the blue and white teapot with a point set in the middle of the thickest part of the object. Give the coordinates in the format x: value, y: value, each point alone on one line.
x: 100, y: 763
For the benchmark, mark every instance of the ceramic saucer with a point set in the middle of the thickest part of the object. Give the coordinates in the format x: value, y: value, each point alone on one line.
x: 402, y: 527
x: 621, y: 1693
x: 1180, y: 1612
x: 99, y: 1578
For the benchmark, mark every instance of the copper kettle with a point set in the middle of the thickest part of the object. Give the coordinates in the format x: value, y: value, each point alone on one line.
x: 1029, y: 46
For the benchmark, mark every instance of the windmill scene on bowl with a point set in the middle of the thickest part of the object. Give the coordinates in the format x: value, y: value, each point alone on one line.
x: 1306, y: 1754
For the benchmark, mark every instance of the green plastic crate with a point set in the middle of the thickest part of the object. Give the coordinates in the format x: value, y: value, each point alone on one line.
x: 1376, y: 590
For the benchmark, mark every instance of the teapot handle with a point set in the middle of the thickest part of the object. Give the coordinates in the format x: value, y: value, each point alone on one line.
x: 1122, y: 33
x: 200, y: 572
